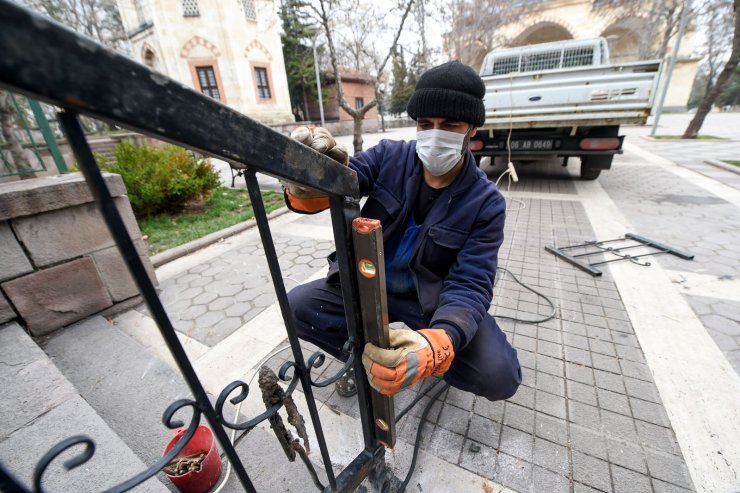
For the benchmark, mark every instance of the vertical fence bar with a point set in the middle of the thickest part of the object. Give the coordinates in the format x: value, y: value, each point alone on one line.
x: 99, y: 190
x: 10, y: 484
x: 343, y: 212
x: 27, y: 128
x: 277, y: 280
x: 367, y: 235
x: 5, y: 161
x: 51, y: 141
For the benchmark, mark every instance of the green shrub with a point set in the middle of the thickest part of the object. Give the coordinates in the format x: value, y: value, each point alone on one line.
x: 161, y: 178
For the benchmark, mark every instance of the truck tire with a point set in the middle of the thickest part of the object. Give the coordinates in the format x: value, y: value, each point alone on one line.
x: 589, y: 173
x: 591, y: 166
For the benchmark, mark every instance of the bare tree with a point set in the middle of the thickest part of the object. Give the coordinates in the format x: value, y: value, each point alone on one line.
x: 724, y: 77
x: 326, y: 13
x: 476, y: 26
x: 662, y: 23
x: 716, y: 20
x: 98, y: 19
x: 423, y: 55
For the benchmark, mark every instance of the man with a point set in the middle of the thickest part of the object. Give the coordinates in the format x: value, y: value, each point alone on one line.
x: 443, y: 224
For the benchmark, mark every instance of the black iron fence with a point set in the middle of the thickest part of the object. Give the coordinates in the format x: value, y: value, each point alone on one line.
x: 49, y: 62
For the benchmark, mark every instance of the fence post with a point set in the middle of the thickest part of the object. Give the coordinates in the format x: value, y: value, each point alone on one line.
x: 51, y: 142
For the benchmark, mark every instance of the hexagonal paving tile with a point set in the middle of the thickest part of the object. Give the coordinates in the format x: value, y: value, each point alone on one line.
x: 209, y: 319
x: 220, y: 303
x: 185, y: 279
x: 264, y: 300
x: 202, y: 281
x: 205, y: 298
x: 191, y: 293
x: 192, y: 312
x: 238, y: 309
x: 228, y: 290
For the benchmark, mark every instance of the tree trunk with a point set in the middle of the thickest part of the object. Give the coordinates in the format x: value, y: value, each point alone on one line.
x: 7, y: 124
x: 357, y: 114
x: 357, y: 140
x: 724, y: 77
x: 382, y: 118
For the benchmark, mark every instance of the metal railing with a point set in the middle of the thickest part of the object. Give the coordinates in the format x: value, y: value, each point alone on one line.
x: 49, y: 62
x: 28, y: 111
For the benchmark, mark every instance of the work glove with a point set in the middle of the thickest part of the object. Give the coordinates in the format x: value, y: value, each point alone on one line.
x: 414, y: 355
x: 321, y: 140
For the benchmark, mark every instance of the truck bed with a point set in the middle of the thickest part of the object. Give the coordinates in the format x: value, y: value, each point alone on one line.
x: 582, y: 96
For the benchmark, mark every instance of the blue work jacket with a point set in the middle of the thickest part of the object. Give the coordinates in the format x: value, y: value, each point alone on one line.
x: 456, y: 251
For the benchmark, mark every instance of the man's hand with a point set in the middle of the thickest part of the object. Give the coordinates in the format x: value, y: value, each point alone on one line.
x: 414, y: 355
x: 321, y: 140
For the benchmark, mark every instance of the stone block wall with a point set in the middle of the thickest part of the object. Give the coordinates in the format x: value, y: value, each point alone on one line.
x: 58, y: 261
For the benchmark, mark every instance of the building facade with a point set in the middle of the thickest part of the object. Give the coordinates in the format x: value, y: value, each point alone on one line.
x: 629, y: 35
x: 358, y: 91
x: 228, y: 50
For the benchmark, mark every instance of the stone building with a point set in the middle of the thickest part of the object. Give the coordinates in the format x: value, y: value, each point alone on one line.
x: 358, y: 91
x: 628, y: 34
x: 228, y: 50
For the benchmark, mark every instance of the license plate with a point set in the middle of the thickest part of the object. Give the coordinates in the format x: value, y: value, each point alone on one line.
x: 531, y: 145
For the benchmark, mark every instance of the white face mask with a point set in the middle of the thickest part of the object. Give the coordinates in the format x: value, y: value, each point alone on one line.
x: 439, y: 150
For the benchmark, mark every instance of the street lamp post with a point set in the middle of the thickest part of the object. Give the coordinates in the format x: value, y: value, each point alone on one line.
x: 672, y: 65
x: 318, y: 81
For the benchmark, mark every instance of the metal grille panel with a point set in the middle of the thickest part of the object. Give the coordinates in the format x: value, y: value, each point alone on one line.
x: 578, y: 57
x: 505, y: 65
x: 541, y: 61
x: 250, y: 12
x: 190, y: 8
x: 532, y: 61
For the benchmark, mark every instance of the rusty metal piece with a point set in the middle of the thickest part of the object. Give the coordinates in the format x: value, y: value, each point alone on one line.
x: 273, y: 393
x: 185, y: 464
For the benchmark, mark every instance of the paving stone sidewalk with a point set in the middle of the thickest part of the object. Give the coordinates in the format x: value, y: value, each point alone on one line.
x: 588, y: 416
x: 213, y: 299
x: 692, y: 154
x: 679, y: 213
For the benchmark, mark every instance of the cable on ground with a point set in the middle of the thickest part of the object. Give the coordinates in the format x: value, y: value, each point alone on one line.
x: 548, y: 300
x: 419, y: 433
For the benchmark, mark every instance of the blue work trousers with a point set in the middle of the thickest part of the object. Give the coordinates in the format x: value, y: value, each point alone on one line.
x: 487, y: 366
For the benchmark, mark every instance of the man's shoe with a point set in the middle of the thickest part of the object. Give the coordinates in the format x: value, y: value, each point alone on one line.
x: 346, y: 384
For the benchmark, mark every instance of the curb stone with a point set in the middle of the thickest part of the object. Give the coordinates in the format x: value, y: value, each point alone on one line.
x: 727, y: 167
x: 160, y: 259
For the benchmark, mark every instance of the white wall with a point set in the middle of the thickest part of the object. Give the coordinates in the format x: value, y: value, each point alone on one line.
x: 221, y: 36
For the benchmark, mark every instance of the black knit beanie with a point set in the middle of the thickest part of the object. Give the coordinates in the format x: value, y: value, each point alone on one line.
x: 451, y: 90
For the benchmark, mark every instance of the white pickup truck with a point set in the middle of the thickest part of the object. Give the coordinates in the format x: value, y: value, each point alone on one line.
x: 562, y: 99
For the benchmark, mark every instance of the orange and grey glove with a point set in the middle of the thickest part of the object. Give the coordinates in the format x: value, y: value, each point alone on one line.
x: 414, y: 355
x: 320, y: 139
